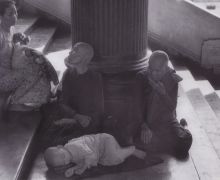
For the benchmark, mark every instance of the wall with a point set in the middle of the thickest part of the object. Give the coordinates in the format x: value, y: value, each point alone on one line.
x: 58, y: 8
x: 182, y: 26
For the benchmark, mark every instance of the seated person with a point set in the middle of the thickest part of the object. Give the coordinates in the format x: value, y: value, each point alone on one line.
x: 161, y: 130
x: 82, y: 87
x: 80, y: 100
x: 89, y: 151
x: 8, y: 17
x: 29, y: 79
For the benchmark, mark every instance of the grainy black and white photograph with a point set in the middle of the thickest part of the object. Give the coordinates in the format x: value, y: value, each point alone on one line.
x: 109, y: 89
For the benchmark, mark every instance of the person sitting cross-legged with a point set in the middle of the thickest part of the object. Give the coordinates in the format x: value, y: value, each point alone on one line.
x: 80, y: 105
x: 161, y: 131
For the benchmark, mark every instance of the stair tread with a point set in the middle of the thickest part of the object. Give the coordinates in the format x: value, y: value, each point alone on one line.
x: 57, y: 60
x: 15, y: 139
x: 190, y: 83
x: 207, y: 117
x: 202, y: 151
x: 217, y: 92
x: 205, y: 87
x: 58, y: 51
x: 214, y: 101
x: 41, y: 37
x: 25, y: 23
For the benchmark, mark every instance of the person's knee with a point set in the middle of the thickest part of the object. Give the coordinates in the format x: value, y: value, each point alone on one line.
x: 184, y: 144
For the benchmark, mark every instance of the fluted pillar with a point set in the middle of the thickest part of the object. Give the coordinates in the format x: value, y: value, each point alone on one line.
x: 117, y: 29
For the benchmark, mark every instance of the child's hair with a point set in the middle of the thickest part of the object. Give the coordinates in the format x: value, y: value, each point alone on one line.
x: 159, y: 56
x: 49, y: 156
x: 4, y: 4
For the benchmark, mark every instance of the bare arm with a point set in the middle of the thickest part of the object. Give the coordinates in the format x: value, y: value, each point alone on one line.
x: 78, y: 170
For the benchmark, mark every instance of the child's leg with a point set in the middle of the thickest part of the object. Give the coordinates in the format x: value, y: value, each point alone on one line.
x: 139, y: 154
x: 114, y: 154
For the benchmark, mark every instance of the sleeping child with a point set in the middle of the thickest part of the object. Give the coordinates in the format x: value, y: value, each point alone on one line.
x: 89, y: 151
x: 161, y: 130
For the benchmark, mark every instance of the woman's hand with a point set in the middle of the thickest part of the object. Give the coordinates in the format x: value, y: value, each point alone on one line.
x: 21, y: 38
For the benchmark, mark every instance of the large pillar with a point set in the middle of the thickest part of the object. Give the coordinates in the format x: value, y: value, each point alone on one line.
x: 117, y: 29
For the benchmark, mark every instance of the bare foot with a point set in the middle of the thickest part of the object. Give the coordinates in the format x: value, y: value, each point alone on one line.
x: 139, y: 154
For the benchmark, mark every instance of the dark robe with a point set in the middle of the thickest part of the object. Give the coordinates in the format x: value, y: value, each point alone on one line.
x: 84, y: 94
x: 159, y: 112
x: 81, y: 94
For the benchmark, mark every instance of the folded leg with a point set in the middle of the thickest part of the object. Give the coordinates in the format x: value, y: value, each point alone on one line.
x: 113, y: 153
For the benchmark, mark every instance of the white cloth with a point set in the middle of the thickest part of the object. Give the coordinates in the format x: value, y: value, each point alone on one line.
x: 96, y: 149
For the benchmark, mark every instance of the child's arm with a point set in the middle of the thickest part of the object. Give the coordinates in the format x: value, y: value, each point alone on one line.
x: 88, y: 162
x: 91, y: 160
x: 78, y: 170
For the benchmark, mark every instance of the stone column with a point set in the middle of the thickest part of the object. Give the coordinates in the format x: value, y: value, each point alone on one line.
x: 117, y: 29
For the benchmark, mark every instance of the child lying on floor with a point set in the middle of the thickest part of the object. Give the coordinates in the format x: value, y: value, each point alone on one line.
x: 89, y: 151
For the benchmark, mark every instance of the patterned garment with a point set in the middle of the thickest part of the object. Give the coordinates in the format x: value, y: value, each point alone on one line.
x: 36, y: 88
x: 29, y: 80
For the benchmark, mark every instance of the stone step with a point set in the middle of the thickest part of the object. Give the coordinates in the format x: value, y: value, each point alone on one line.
x: 207, y: 90
x: 214, y: 101
x: 25, y: 24
x: 16, y: 144
x: 59, y: 50
x: 206, y: 116
x: 203, y: 150
x: 42, y: 36
x: 217, y: 92
x: 191, y: 82
x: 17, y: 139
x: 205, y: 87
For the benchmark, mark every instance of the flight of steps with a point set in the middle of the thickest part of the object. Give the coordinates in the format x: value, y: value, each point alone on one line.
x: 198, y: 102
x: 17, y: 147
